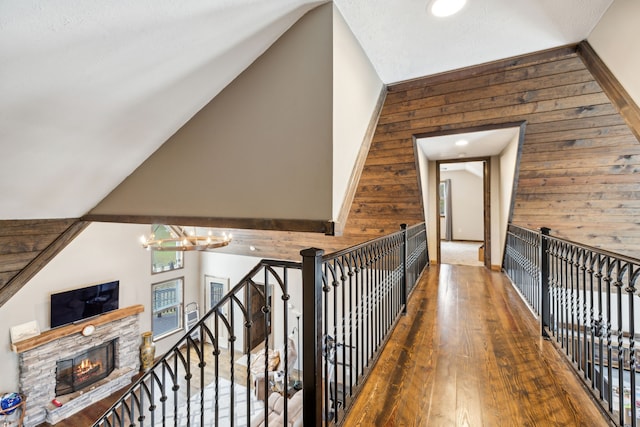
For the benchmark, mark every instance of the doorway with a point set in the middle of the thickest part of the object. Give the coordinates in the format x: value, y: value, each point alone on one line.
x: 214, y: 289
x: 463, y: 202
x: 499, y: 148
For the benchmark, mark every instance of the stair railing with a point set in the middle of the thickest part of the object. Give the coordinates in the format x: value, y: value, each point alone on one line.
x: 178, y: 390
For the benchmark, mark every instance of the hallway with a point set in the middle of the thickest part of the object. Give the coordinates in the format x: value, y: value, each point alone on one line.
x: 460, y: 253
x: 469, y: 353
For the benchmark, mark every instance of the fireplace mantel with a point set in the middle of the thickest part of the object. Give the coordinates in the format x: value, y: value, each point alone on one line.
x: 38, y: 359
x: 75, y: 328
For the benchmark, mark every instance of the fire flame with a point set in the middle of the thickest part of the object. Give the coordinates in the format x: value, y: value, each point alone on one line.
x: 87, y: 365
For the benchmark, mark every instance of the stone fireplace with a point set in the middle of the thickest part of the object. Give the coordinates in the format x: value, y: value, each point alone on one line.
x: 75, y: 369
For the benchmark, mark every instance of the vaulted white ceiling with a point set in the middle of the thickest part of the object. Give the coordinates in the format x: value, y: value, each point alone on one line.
x: 89, y: 89
x: 405, y: 42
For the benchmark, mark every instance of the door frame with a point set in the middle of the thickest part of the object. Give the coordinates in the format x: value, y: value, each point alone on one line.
x: 224, y: 281
x: 486, y: 202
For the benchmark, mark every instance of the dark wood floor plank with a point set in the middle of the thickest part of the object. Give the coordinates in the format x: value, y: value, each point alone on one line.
x: 469, y: 353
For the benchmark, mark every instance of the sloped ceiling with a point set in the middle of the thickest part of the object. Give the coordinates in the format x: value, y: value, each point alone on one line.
x: 90, y: 89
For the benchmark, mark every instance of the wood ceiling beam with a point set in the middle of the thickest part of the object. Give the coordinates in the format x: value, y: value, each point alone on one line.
x: 39, y: 261
x: 619, y: 97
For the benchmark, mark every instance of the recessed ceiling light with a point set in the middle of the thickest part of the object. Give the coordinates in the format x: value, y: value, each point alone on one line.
x: 252, y: 248
x: 461, y: 142
x: 443, y: 8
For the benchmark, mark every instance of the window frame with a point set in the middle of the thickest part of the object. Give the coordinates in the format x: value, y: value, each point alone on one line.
x: 179, y: 306
x: 179, y: 255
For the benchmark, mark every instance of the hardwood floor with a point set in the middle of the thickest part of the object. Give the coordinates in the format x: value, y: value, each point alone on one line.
x: 90, y: 414
x: 469, y: 353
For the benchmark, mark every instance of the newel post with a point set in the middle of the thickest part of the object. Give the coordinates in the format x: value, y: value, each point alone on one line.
x: 545, y: 313
x: 404, y: 267
x: 312, y: 336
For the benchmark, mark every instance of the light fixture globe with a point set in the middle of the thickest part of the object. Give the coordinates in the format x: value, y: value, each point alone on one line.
x: 444, y: 8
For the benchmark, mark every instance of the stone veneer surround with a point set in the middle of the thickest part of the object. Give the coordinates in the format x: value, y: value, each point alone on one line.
x: 38, y: 370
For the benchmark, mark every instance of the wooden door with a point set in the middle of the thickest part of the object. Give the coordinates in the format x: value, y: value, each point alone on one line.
x: 261, y: 327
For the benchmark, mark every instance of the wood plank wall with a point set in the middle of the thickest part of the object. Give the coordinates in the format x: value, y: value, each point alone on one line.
x: 28, y: 245
x: 580, y: 160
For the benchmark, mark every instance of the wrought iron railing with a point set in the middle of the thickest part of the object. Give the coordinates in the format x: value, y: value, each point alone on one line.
x: 364, y: 291
x: 588, y: 308
x: 208, y: 380
x: 522, y: 263
x: 417, y: 253
x: 350, y: 302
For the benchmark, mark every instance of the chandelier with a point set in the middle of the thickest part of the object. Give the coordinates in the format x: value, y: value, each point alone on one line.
x: 180, y: 240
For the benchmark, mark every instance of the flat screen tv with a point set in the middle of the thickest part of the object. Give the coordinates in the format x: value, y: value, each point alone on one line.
x: 79, y: 304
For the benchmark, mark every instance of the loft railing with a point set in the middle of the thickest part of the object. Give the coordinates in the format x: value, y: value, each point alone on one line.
x: 359, y: 295
x: 586, y: 299
x: 349, y: 302
x: 522, y: 263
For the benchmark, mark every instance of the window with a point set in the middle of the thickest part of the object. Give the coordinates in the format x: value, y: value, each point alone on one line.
x: 165, y: 260
x: 166, y: 300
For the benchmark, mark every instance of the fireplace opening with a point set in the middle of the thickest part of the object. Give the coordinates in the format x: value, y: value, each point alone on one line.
x: 85, y: 368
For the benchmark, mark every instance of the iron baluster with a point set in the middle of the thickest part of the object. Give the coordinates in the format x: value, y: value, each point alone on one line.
x: 585, y: 320
x: 632, y: 276
x: 620, y: 337
x: 599, y: 277
x: 607, y: 281
x: 593, y: 324
x: 543, y: 254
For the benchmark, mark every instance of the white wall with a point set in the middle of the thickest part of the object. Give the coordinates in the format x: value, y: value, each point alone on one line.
x: 507, y: 161
x: 466, y: 204
x: 101, y: 253
x: 262, y: 148
x: 429, y: 194
x: 356, y: 89
x: 426, y: 169
x: 615, y: 39
x: 308, y: 100
x: 496, y: 208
